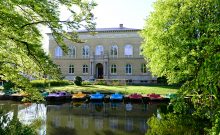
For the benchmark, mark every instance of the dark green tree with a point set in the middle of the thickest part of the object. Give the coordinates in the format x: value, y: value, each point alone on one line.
x: 21, y: 53
x: 182, y: 43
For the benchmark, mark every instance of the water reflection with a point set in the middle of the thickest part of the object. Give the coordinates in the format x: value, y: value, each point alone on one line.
x: 86, y: 118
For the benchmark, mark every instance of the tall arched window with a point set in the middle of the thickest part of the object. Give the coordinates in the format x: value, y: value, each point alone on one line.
x: 85, y: 69
x: 143, y: 68
x: 113, y: 69
x: 114, y: 51
x: 128, y: 50
x: 128, y: 69
x: 71, y: 69
x: 72, y: 51
x: 85, y: 51
x: 58, y: 52
x: 99, y: 50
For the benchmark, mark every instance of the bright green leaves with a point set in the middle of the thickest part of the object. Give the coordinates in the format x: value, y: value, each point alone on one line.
x: 21, y: 53
x: 182, y: 42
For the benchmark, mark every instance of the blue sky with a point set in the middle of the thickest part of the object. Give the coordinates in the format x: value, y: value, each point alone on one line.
x: 131, y: 13
x: 111, y: 13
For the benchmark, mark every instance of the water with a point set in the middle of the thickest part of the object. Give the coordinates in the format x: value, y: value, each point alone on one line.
x: 86, y: 118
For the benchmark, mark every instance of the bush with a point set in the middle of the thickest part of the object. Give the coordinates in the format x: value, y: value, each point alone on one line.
x: 100, y: 82
x: 86, y: 83
x: 78, y: 81
x: 8, y: 85
x: 47, y: 83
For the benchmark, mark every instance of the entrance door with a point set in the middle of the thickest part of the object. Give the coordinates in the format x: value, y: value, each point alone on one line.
x: 99, y: 71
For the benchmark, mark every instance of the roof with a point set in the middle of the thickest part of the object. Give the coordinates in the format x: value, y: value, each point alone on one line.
x: 118, y: 29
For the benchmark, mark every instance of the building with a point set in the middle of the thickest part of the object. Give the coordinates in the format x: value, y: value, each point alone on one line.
x: 111, y: 54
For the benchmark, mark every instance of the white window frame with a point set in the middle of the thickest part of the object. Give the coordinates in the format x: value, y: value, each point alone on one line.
x: 85, y: 69
x: 128, y: 67
x: 144, y: 68
x: 85, y: 51
x: 114, y: 49
x: 71, y: 69
x: 72, y: 51
x: 58, y: 52
x: 99, y: 50
x: 113, y: 66
x: 128, y: 50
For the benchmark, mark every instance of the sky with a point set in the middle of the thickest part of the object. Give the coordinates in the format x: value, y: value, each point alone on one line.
x: 111, y: 13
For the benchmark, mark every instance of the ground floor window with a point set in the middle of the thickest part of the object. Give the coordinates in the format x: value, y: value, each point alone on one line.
x: 85, y: 69
x: 128, y: 69
x: 143, y: 68
x: 113, y: 69
x: 71, y: 69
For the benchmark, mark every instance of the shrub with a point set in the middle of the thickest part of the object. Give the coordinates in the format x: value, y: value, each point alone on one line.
x: 47, y: 83
x: 8, y: 85
x: 86, y: 83
x: 78, y: 81
x: 100, y: 82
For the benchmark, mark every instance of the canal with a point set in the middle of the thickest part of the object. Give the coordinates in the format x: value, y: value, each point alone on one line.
x: 86, y: 118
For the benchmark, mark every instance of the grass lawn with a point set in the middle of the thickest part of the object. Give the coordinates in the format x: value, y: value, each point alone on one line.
x: 122, y: 89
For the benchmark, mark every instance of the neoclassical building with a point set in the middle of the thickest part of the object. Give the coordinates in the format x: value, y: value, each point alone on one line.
x: 112, y: 53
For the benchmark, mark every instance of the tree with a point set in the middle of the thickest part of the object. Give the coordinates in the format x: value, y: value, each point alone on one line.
x: 21, y: 53
x: 182, y: 43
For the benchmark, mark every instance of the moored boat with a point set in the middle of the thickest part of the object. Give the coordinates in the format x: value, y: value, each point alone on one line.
x: 154, y: 97
x: 18, y: 96
x: 79, y: 96
x: 97, y: 97
x: 116, y: 97
x: 59, y: 96
x: 135, y: 97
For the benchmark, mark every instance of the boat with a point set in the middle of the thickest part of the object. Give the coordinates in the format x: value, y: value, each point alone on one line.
x: 135, y: 97
x: 116, y: 97
x: 18, y: 96
x: 97, y: 97
x: 59, y: 96
x: 6, y: 94
x: 79, y: 96
x: 154, y: 97
x: 170, y: 96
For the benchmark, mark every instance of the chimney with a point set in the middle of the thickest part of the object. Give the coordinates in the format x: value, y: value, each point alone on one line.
x: 121, y: 26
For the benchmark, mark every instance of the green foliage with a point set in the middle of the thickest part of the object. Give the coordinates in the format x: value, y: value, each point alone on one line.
x: 181, y: 42
x: 21, y: 55
x: 14, y: 126
x: 78, y: 81
x: 8, y: 85
x: 47, y: 83
x: 87, y: 83
x: 176, y: 124
x: 100, y: 82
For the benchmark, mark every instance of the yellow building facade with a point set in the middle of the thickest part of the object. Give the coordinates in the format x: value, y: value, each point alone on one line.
x: 112, y: 53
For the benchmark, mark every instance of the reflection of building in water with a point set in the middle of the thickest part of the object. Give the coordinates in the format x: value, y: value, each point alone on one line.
x: 99, y: 123
x: 143, y: 125
x: 70, y: 122
x: 128, y: 107
x: 79, y: 120
x: 113, y: 122
x: 85, y: 122
x: 129, y: 124
x: 28, y: 113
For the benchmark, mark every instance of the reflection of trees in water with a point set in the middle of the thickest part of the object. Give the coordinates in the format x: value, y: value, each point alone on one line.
x: 84, y: 122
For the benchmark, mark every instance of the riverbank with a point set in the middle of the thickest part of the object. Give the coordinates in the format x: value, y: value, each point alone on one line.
x: 111, y: 89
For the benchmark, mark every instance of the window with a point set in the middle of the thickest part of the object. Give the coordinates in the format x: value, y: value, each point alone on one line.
x: 99, y: 50
x: 72, y: 51
x: 128, y: 69
x: 71, y: 69
x: 85, y: 52
x: 143, y: 68
x: 85, y: 69
x: 141, y: 51
x: 113, y: 69
x: 114, y: 51
x: 58, y: 52
x: 128, y: 50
